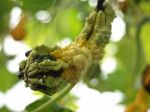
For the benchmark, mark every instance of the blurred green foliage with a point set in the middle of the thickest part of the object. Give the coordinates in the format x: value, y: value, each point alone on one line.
x: 7, y: 79
x: 4, y: 109
x: 66, y: 21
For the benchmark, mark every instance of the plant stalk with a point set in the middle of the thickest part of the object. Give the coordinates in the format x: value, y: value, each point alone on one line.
x: 55, y: 98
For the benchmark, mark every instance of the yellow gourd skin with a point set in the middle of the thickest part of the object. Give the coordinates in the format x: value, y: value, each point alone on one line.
x: 49, y: 70
x: 89, y: 45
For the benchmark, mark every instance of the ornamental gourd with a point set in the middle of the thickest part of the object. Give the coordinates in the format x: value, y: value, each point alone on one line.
x: 49, y: 70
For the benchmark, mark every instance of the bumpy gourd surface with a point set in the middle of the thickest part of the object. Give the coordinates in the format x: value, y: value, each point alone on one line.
x: 49, y: 70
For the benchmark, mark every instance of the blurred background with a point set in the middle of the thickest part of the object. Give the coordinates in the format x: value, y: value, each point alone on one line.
x: 109, y: 86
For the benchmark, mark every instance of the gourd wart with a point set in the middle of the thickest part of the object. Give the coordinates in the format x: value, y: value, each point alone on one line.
x: 49, y: 70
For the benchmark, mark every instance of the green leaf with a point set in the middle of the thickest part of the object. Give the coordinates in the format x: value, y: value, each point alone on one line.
x: 46, y: 34
x: 4, y: 109
x: 70, y: 102
x: 53, y: 32
x: 126, y: 54
x: 126, y: 51
x: 54, y: 108
x: 7, y: 79
x: 68, y: 25
x: 144, y: 5
x: 122, y: 79
x: 36, y: 5
x: 5, y: 8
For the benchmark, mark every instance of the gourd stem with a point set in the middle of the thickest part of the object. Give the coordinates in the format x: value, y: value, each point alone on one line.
x: 100, y: 6
x: 54, y: 99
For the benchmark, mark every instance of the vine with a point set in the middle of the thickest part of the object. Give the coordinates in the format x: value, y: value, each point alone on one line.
x: 141, y: 100
x: 139, y: 47
x: 55, y: 98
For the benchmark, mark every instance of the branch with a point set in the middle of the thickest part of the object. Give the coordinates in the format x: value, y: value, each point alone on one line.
x: 54, y: 99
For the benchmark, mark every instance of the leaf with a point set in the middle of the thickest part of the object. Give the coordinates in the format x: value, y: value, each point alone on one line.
x: 144, y: 5
x: 51, y: 33
x: 69, y: 101
x: 122, y: 79
x: 7, y: 79
x: 4, y: 4
x: 36, y: 5
x: 54, y: 108
x: 126, y: 51
x: 4, y: 109
x: 46, y: 35
x: 68, y: 25
x: 126, y: 54
x: 5, y: 8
